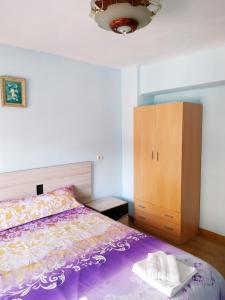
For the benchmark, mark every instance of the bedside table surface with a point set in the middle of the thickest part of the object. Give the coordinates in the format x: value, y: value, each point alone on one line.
x: 106, y: 203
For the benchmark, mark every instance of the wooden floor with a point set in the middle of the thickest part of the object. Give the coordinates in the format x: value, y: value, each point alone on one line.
x: 208, y: 249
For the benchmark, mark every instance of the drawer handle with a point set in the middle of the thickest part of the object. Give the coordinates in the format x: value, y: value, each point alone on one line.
x: 141, y: 206
x: 168, y: 216
x: 168, y: 228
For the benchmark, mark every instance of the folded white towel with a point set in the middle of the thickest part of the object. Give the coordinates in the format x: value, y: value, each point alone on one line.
x: 152, y: 267
x: 165, y: 286
x: 163, y: 267
x: 173, y: 273
x: 162, y: 275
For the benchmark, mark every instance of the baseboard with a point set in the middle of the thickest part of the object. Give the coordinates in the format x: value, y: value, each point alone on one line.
x: 212, y: 235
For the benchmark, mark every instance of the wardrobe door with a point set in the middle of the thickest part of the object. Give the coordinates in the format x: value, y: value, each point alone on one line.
x: 144, y: 129
x: 169, y: 118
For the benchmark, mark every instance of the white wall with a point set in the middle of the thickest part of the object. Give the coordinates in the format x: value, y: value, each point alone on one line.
x: 73, y: 113
x: 129, y: 78
x: 186, y: 75
x: 200, y: 68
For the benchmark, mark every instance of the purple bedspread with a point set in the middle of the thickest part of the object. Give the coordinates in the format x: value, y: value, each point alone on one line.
x: 82, y: 255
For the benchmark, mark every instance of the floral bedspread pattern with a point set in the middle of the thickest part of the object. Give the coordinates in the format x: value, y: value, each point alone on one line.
x: 82, y: 255
x: 19, y: 211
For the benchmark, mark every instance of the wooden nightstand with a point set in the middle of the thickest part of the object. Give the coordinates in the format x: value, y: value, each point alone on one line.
x: 111, y: 207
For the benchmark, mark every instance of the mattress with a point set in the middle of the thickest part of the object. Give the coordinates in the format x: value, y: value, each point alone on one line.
x: 80, y: 254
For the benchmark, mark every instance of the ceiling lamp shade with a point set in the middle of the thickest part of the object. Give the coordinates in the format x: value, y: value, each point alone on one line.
x: 123, y: 16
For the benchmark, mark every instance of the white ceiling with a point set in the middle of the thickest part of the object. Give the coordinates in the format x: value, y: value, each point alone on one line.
x: 64, y: 27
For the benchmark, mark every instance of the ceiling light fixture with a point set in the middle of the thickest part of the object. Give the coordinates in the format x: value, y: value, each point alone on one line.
x: 123, y: 16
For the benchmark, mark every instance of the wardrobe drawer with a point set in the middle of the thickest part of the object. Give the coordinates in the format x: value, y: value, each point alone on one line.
x: 156, y: 222
x: 168, y: 215
x: 170, y: 227
x: 142, y: 205
x: 141, y: 216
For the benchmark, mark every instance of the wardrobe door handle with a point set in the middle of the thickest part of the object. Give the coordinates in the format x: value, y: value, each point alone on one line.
x: 152, y: 155
x: 157, y: 156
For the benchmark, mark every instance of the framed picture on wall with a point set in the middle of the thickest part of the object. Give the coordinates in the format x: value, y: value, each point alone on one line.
x: 13, y: 91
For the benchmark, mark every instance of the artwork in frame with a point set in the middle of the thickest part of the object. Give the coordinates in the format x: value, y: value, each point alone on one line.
x: 13, y: 91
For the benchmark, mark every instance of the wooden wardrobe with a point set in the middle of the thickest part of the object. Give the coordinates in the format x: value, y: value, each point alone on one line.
x: 167, y: 169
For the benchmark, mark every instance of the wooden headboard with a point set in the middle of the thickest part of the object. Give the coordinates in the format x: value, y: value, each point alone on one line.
x: 14, y: 185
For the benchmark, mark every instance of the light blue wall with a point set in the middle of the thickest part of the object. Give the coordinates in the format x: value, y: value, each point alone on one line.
x: 73, y: 114
x: 213, y: 151
x: 195, y: 77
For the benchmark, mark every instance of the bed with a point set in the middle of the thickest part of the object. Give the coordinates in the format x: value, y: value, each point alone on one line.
x: 79, y: 254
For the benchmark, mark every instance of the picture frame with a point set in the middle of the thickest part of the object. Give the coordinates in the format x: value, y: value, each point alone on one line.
x: 13, y: 91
